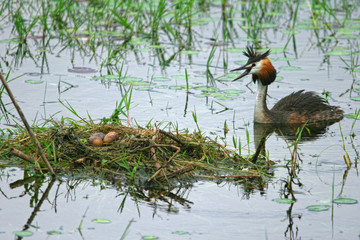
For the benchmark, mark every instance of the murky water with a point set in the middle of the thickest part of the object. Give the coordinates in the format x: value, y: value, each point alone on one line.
x: 205, y: 210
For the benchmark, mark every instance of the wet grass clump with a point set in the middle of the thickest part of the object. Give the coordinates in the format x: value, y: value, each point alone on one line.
x: 139, y: 155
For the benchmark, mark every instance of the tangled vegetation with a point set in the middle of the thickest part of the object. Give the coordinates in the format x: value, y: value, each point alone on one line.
x: 145, y: 155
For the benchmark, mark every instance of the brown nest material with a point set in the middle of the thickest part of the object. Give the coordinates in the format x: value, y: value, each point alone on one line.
x: 138, y: 154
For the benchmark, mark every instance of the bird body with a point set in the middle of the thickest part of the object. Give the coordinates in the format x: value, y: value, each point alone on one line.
x: 298, y: 107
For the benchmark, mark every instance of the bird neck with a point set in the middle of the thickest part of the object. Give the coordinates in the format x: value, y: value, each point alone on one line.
x: 261, y: 109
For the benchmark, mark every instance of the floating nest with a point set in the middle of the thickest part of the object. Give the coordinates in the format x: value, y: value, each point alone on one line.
x: 143, y: 155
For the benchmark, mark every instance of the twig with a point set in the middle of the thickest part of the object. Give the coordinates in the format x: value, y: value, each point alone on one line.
x: 171, y: 158
x: 170, y: 135
x: 22, y: 116
x: 22, y: 155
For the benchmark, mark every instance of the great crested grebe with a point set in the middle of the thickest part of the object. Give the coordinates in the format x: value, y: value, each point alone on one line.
x: 298, y: 107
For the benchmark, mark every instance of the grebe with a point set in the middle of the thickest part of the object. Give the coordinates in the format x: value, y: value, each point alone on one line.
x: 298, y: 107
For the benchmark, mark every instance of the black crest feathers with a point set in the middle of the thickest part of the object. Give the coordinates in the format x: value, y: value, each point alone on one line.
x: 254, y: 56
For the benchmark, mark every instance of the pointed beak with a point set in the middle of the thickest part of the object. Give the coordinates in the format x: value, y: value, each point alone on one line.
x: 247, y: 69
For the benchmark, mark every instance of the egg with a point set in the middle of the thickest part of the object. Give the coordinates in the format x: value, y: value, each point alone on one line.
x: 111, y: 137
x: 95, y: 141
x: 99, y: 135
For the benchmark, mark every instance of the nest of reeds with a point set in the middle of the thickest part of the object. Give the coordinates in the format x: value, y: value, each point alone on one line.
x: 147, y: 155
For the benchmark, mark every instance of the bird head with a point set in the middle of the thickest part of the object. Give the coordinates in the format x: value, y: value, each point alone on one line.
x: 259, y: 66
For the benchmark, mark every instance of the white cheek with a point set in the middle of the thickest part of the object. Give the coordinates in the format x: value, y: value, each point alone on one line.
x: 256, y: 69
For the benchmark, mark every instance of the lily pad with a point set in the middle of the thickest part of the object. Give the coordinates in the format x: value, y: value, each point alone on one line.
x: 181, y: 233
x: 132, y: 79
x: 161, y: 86
x: 34, y: 74
x: 229, y: 76
x: 111, y: 76
x: 279, y: 79
x: 235, y: 50
x: 179, y: 76
x: 355, y: 98
x: 201, y: 95
x: 286, y: 59
x: 274, y: 13
x: 290, y: 68
x: 101, y: 220
x: 337, y: 53
x: 207, y: 89
x: 161, y: 79
x: 23, y: 233
x: 273, y: 50
x: 34, y: 81
x: 83, y: 70
x: 139, y: 84
x: 54, y: 232
x: 177, y: 87
x: 318, y: 208
x: 234, y: 91
x: 268, y: 25
x: 144, y: 88
x: 13, y: 41
x: 283, y: 200
x: 345, y: 201
x: 156, y: 46
x: 190, y: 52
x: 149, y: 237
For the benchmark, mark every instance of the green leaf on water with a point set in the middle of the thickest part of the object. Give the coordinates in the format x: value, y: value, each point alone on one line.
x: 54, y: 232
x: 132, y: 79
x: 179, y: 76
x: 229, y: 77
x: 283, y: 200
x: 273, y: 50
x: 13, y: 40
x: 177, y: 87
x: 34, y: 81
x: 286, y: 59
x: 144, y: 88
x: 355, y: 98
x: 234, y: 91
x: 201, y: 95
x: 190, y: 52
x: 235, y: 50
x: 207, y: 89
x: 101, y: 220
x: 318, y: 208
x: 345, y: 201
x: 290, y: 68
x: 161, y: 79
x: 268, y: 25
x: 82, y: 70
x: 337, y: 53
x: 161, y: 86
x: 111, y: 76
x: 279, y: 79
x: 181, y: 233
x: 156, y: 46
x: 149, y: 237
x: 23, y: 233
